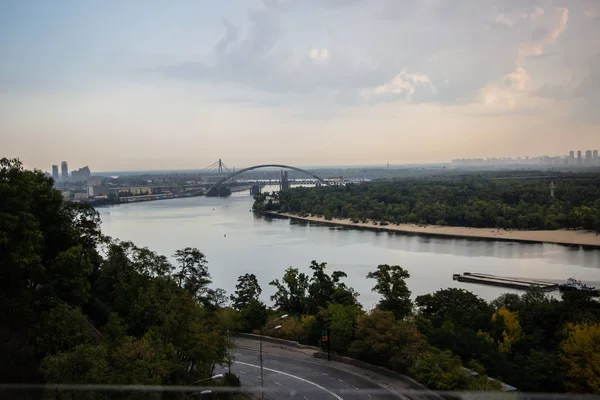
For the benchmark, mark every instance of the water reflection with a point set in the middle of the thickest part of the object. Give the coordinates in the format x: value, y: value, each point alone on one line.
x: 236, y: 241
x: 472, y: 247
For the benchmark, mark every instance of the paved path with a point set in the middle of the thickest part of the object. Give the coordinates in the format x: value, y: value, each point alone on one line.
x: 291, y: 373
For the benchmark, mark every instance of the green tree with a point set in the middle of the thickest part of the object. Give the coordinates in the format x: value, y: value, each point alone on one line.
x: 382, y: 340
x: 292, y: 292
x: 246, y: 290
x: 193, y: 273
x: 459, y: 306
x: 440, y: 370
x: 254, y: 316
x: 325, y: 289
x: 341, y: 321
x: 392, y: 287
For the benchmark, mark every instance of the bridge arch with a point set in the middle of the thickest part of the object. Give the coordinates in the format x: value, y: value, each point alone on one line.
x: 241, y: 171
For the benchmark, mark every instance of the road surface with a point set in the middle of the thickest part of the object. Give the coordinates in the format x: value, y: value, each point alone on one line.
x: 303, y: 379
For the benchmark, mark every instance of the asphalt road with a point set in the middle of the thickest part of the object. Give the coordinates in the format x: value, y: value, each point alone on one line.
x: 292, y: 378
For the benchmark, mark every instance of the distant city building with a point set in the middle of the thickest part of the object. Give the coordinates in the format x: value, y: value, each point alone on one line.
x: 64, y: 169
x: 55, y: 173
x: 98, y: 191
x: 81, y: 175
x: 95, y: 180
x: 140, y: 190
x: 80, y: 195
x: 590, y: 158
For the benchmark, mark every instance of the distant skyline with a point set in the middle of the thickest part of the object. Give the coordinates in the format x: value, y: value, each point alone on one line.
x: 151, y: 85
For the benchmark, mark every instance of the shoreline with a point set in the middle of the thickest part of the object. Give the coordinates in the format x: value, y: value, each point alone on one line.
x: 560, y: 236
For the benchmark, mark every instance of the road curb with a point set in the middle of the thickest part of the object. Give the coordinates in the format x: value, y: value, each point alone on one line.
x: 319, y: 354
x: 270, y: 339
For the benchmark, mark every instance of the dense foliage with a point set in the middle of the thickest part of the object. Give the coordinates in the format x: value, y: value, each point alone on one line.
x: 532, y: 342
x: 472, y: 202
x: 78, y: 307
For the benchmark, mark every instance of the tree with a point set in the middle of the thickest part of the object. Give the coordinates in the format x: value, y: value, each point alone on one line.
x: 440, y: 370
x: 254, y: 316
x: 215, y: 298
x: 512, y: 331
x: 341, y: 321
x: 321, y: 286
x: 193, y: 273
x: 392, y: 287
x: 246, y: 290
x: 291, y: 294
x: 381, y: 339
x: 74, y: 315
x: 459, y: 306
x: 580, y: 355
x: 326, y: 289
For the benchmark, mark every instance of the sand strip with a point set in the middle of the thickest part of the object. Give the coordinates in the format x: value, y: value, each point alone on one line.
x: 561, y: 236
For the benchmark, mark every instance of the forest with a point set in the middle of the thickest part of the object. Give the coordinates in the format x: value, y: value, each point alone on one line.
x: 533, y: 342
x: 80, y: 307
x: 472, y: 201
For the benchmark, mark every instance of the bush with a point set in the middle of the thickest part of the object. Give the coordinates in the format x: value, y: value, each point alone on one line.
x: 291, y: 329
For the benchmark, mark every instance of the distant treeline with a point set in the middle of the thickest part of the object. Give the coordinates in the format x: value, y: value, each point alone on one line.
x: 473, y: 202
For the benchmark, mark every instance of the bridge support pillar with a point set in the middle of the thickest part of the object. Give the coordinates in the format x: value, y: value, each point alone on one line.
x: 255, y: 189
x: 284, y: 183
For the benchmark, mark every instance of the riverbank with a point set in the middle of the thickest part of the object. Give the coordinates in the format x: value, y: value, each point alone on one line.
x: 561, y: 236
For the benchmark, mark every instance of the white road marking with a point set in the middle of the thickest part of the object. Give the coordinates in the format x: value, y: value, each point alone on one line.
x: 242, y: 373
x: 355, y: 387
x: 340, y: 380
x: 324, y: 373
x: 305, y: 398
x: 277, y: 383
x: 293, y: 376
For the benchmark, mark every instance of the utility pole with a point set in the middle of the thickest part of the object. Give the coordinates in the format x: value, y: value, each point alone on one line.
x: 552, y: 187
x: 260, y: 356
x: 328, y: 344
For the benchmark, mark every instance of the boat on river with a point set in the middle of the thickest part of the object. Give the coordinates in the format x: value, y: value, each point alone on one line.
x: 575, y: 285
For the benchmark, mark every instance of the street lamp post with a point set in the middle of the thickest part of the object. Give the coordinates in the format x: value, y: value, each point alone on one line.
x: 262, y: 334
x: 212, y: 378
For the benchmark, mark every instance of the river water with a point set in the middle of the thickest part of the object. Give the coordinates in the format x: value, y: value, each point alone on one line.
x: 236, y: 241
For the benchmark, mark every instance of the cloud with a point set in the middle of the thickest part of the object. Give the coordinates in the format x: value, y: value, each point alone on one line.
x: 488, y: 54
x: 319, y: 55
x: 543, y: 37
x: 403, y: 86
x: 288, y: 5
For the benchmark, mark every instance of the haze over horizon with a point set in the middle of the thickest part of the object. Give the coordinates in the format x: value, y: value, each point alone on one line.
x: 151, y: 85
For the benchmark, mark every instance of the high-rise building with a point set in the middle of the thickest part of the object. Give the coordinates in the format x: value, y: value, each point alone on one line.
x: 64, y: 171
x: 55, y: 173
x: 80, y: 175
x: 588, y: 157
x: 571, y: 157
x: 579, y: 157
x: 595, y: 156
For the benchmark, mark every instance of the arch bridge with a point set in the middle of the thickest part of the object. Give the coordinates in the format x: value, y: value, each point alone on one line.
x: 241, y: 171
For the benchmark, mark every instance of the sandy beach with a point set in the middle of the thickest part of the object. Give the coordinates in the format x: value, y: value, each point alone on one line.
x: 562, y: 236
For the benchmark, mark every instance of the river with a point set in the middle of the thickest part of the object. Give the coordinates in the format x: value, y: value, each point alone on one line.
x: 236, y: 241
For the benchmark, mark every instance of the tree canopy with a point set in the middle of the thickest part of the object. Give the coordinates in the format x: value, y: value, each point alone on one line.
x: 79, y: 307
x: 472, y: 201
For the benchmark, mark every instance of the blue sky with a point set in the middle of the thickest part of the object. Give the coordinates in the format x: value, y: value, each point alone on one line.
x: 155, y: 84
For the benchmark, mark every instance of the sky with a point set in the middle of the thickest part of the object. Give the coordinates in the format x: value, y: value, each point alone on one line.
x: 155, y: 84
